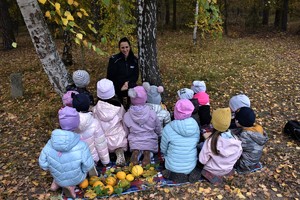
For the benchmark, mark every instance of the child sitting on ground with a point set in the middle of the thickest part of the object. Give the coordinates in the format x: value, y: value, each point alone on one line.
x: 253, y: 140
x: 186, y: 93
x: 142, y: 125
x: 154, y: 102
x: 66, y: 157
x: 90, y: 131
x: 81, y: 79
x: 199, y: 89
x: 178, y: 143
x: 109, y: 112
x: 221, y: 149
x: 235, y: 103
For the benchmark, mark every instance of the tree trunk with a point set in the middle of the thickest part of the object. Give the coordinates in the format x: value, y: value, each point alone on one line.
x: 226, y: 17
x: 147, y: 41
x: 44, y: 44
x: 266, y: 13
x: 277, y: 17
x: 95, y: 7
x: 167, y: 12
x: 284, y: 19
x: 174, y: 15
x: 67, y: 51
x: 196, y: 23
x: 6, y: 26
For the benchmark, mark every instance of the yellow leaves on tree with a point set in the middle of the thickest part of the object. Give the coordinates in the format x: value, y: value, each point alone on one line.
x: 42, y: 1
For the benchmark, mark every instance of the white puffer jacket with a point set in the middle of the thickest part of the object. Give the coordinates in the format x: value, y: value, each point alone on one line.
x: 91, y: 133
x: 162, y: 114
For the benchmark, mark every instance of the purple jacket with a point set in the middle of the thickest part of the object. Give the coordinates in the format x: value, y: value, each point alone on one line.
x: 143, y: 127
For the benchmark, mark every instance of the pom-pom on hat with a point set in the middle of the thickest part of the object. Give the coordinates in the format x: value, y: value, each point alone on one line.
x: 245, y: 116
x: 81, y: 102
x: 185, y: 93
x: 198, y: 86
x: 239, y: 101
x: 138, y: 95
x: 183, y: 109
x: 221, y: 119
x: 81, y: 78
x: 67, y: 98
x: 153, y: 93
x: 105, y: 89
x: 68, y: 118
x: 202, y: 97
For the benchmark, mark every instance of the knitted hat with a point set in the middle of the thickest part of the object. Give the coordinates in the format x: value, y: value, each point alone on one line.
x: 68, y: 118
x: 81, y: 78
x: 81, y: 102
x: 198, y: 86
x: 153, y: 93
x: 245, y: 116
x: 221, y: 119
x: 202, y: 97
x: 105, y: 89
x: 185, y: 93
x: 183, y: 109
x: 239, y: 101
x: 67, y: 98
x: 138, y: 95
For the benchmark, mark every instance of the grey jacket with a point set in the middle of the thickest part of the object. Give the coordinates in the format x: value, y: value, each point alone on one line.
x: 252, y: 143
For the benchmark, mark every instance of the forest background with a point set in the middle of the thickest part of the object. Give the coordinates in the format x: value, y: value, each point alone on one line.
x: 254, y: 57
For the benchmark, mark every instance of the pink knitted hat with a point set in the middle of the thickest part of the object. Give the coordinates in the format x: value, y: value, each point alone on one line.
x: 138, y: 95
x: 183, y: 109
x: 67, y: 98
x: 202, y: 97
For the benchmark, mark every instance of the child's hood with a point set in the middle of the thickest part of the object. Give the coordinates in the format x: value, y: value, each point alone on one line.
x: 257, y: 137
x: 86, y: 119
x: 62, y: 140
x: 156, y: 107
x: 106, y: 111
x: 139, y: 114
x: 186, y: 127
x: 228, y: 147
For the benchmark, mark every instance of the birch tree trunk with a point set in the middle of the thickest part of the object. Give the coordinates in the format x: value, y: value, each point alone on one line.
x: 196, y: 23
x: 147, y: 41
x: 44, y: 44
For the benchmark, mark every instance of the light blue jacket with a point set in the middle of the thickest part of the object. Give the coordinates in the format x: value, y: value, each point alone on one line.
x: 178, y: 144
x: 66, y: 157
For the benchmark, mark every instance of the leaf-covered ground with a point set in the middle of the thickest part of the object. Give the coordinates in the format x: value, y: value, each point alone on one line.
x: 266, y: 68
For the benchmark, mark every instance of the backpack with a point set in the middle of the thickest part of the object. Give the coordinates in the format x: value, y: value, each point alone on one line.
x: 292, y: 128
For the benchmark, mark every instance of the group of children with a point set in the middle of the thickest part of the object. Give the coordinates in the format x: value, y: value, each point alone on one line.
x: 192, y: 142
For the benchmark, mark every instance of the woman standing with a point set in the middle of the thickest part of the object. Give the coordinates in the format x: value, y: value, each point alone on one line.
x: 123, y: 71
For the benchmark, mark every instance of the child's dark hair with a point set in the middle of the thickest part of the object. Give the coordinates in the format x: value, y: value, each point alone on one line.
x: 214, y: 141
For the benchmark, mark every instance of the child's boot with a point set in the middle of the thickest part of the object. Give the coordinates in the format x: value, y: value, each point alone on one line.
x: 134, y: 157
x: 93, y: 172
x: 54, y: 186
x: 120, y: 157
x: 146, y: 159
x: 69, y: 192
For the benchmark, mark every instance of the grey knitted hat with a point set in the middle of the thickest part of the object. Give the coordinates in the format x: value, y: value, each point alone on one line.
x: 81, y: 78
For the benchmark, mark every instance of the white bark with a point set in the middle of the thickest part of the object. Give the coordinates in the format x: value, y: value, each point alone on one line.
x: 196, y: 23
x: 44, y: 44
x: 147, y: 24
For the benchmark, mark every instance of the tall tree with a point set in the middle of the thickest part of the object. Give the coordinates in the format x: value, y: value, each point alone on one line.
x: 167, y: 12
x: 174, y: 15
x: 44, y: 44
x: 6, y: 26
x: 147, y: 41
x: 266, y: 12
x: 196, y: 23
x: 285, y: 10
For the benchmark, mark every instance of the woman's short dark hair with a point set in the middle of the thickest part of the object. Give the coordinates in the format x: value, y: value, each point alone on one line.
x: 124, y: 39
